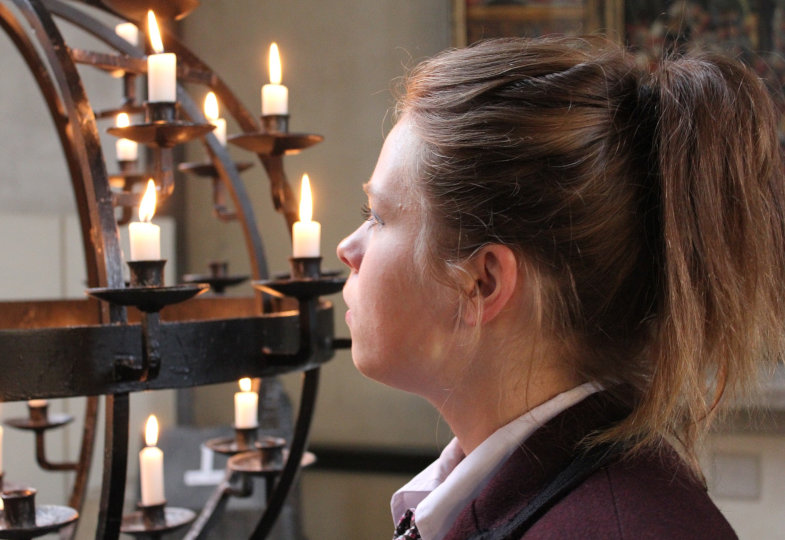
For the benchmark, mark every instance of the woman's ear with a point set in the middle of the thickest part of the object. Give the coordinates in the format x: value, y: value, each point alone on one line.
x: 494, y: 273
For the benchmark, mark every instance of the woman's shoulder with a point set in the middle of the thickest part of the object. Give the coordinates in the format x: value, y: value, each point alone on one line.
x: 647, y: 495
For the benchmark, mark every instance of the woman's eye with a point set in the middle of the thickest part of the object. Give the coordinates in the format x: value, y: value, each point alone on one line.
x: 369, y: 215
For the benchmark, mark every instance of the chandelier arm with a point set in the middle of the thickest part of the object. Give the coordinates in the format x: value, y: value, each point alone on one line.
x: 282, y: 194
x: 229, y: 174
x: 69, y: 107
x: 302, y: 428
x: 115, y: 464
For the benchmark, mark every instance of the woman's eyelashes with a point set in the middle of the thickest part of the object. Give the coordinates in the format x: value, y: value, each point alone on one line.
x: 369, y: 215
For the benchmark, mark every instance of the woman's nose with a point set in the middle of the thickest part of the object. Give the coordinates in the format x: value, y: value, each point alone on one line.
x: 350, y: 250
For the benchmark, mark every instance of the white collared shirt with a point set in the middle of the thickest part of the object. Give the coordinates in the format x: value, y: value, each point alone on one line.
x: 444, y: 488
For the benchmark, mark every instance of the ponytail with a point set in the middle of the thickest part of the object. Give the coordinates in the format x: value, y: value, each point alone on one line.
x: 723, y: 239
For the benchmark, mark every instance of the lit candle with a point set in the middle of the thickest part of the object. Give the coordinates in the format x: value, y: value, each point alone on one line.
x: 275, y: 96
x: 151, y: 466
x: 37, y: 403
x: 145, y: 236
x: 246, y: 405
x: 306, y: 233
x: 128, y: 31
x: 161, y: 67
x: 211, y: 113
x: 127, y: 150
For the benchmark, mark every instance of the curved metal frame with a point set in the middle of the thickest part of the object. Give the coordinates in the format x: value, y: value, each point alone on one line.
x: 59, y: 81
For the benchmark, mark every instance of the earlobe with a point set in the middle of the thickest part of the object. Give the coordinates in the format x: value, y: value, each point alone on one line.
x: 495, y: 274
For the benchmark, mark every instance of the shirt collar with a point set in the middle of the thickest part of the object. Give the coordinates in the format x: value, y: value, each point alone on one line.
x: 445, y: 487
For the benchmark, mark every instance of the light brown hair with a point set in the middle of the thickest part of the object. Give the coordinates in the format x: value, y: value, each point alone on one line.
x: 650, y: 204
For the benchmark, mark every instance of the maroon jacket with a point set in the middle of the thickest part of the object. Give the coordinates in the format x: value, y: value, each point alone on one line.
x: 649, y: 495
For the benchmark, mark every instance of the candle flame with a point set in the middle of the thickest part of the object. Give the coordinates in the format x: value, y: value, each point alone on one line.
x: 245, y: 384
x: 151, y: 431
x: 306, y: 201
x: 275, y: 65
x: 123, y: 120
x: 147, y: 206
x: 211, y: 106
x: 154, y: 33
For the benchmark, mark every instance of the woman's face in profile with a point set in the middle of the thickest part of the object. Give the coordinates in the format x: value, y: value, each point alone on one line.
x: 401, y: 320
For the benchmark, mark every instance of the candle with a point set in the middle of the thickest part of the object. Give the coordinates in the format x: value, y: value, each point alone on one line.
x: 128, y: 31
x: 151, y: 466
x: 246, y: 405
x: 211, y: 113
x: 145, y: 236
x: 306, y: 233
x: 127, y: 150
x: 161, y: 67
x: 37, y: 403
x: 275, y: 96
x: 1, y: 449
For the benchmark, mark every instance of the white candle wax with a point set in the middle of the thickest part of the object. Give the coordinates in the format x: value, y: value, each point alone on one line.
x: 1, y: 449
x: 151, y: 466
x: 305, y: 238
x: 145, y: 236
x: 220, y: 129
x: 275, y: 96
x: 151, y: 473
x: 246, y: 405
x: 306, y: 234
x: 275, y: 99
x: 162, y: 77
x: 127, y: 150
x: 38, y: 403
x: 145, y: 241
x: 214, y: 117
x: 128, y: 31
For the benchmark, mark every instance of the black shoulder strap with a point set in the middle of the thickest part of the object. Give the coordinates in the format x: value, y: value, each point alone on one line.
x: 567, y: 480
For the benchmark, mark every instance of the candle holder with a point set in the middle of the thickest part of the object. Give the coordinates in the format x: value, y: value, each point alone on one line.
x: 40, y: 420
x: 38, y: 413
x: 160, y: 111
x: 263, y: 462
x: 149, y: 296
x: 306, y: 267
x: 277, y: 124
x: 19, y: 507
x: 155, y: 520
x: 153, y: 515
x: 244, y: 440
x: 161, y: 128
x: 48, y: 519
x: 147, y: 273
x: 305, y: 282
x: 218, y: 279
x: 275, y: 144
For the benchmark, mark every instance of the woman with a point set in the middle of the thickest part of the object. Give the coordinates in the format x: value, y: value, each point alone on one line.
x: 574, y: 261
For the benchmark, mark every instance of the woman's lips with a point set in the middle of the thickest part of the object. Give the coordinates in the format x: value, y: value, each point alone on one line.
x: 348, y: 316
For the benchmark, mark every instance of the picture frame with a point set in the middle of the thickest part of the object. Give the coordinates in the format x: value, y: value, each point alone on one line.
x: 480, y: 19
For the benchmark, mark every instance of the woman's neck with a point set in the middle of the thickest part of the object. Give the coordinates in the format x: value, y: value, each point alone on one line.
x: 497, y: 387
